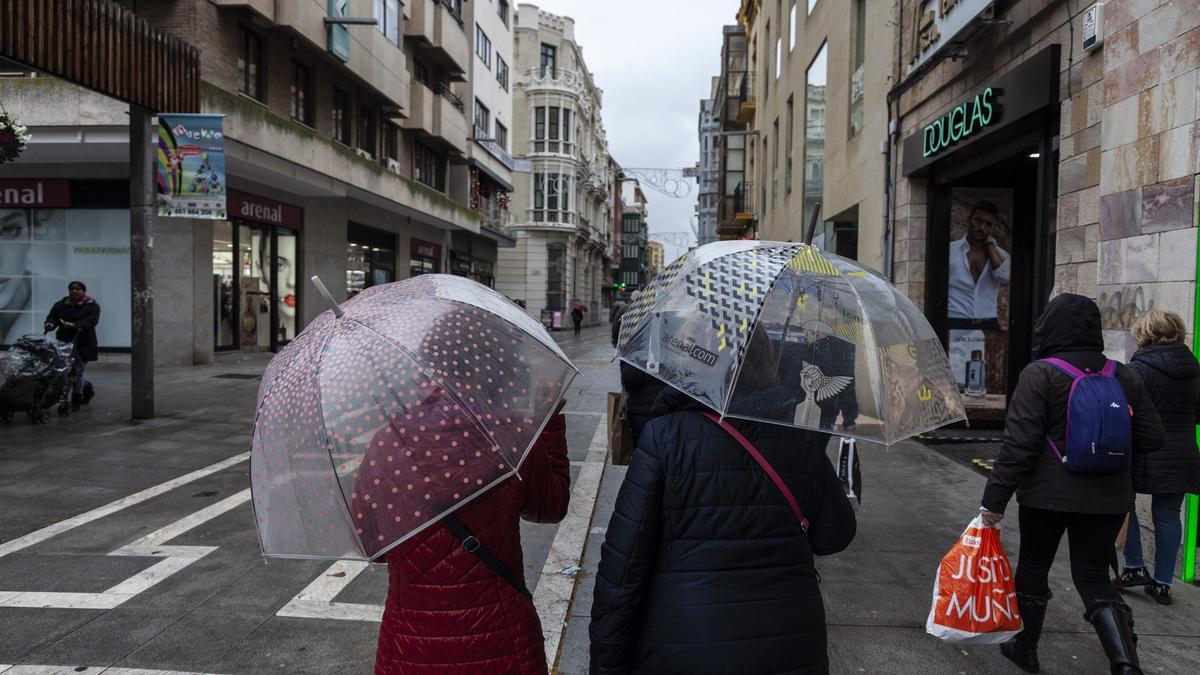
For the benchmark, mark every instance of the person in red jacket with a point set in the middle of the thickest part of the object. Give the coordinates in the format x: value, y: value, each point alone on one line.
x: 449, y: 612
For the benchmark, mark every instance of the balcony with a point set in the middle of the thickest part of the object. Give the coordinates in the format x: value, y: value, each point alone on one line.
x: 437, y: 31
x: 559, y: 80
x: 264, y: 8
x: 438, y: 115
x: 737, y: 210
x: 747, y: 103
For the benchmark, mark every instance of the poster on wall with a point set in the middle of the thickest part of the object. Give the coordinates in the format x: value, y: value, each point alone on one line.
x: 189, y: 173
x: 980, y: 268
x: 42, y: 250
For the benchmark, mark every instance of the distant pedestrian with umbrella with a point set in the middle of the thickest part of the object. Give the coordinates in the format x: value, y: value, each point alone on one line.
x: 708, y: 561
x: 577, y: 310
x: 417, y: 425
x: 1172, y: 378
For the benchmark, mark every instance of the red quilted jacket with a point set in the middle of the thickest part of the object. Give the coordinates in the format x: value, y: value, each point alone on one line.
x: 448, y: 612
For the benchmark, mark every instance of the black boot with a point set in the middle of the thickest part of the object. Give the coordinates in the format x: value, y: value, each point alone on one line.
x: 1114, y: 626
x: 75, y: 398
x: 1022, y: 649
x: 88, y: 392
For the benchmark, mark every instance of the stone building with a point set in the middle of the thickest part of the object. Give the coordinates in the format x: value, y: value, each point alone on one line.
x: 1071, y: 143
x: 561, y: 209
x: 348, y: 156
x: 815, y: 109
x: 709, y: 128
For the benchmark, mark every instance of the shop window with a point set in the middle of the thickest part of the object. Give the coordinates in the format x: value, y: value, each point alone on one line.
x: 549, y: 61
x: 483, y: 47
x: 429, y: 166
x: 255, y: 291
x: 501, y: 72
x: 366, y: 130
x: 484, y: 272
x: 483, y: 118
x: 341, y: 116
x: 814, y: 132
x: 387, y: 19
x: 556, y: 276
x: 250, y: 64
x: 370, y: 258
x: 424, y: 258
x: 301, y: 94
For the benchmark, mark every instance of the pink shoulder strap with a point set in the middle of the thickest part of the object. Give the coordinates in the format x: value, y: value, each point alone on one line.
x: 766, y: 466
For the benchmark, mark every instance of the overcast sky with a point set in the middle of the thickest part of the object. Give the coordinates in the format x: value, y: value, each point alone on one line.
x: 654, y: 59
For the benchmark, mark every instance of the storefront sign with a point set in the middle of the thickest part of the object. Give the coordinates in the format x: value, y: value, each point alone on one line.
x: 190, y: 171
x: 962, y: 121
x: 45, y: 194
x: 424, y: 249
x: 484, y: 268
x: 257, y: 209
x: 937, y: 23
x: 339, y: 34
x: 1031, y: 87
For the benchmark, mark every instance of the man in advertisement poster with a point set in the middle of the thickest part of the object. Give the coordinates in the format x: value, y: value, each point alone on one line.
x: 978, y: 267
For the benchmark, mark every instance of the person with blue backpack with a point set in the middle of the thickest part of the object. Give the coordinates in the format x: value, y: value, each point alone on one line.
x: 1073, y: 425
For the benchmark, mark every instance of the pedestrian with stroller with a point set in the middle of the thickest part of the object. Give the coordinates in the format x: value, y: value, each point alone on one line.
x: 577, y: 319
x: 1172, y: 377
x: 75, y: 318
x: 704, y: 567
x: 1062, y: 495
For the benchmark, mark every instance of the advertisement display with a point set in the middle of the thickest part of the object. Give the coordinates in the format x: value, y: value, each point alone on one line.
x: 980, y: 268
x: 189, y: 173
x: 42, y: 250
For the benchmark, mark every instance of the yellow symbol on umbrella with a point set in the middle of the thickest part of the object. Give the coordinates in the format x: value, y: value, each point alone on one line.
x: 924, y: 393
x: 745, y: 323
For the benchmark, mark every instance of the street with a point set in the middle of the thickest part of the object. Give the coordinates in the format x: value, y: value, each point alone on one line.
x: 131, y: 548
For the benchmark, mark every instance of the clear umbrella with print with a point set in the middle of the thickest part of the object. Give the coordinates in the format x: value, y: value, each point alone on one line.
x: 788, y: 334
x: 400, y: 406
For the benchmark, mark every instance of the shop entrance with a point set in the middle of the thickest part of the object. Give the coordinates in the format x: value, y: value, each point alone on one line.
x: 254, y: 286
x: 989, y: 265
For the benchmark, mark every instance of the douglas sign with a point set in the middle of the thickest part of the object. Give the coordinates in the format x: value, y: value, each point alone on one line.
x: 963, y: 120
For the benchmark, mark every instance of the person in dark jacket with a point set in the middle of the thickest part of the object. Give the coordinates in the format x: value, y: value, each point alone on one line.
x: 1089, y: 508
x: 577, y: 319
x: 704, y: 568
x: 75, y: 318
x: 1172, y: 378
x: 643, y: 390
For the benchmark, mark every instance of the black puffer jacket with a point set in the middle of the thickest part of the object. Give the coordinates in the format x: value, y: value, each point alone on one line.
x: 1172, y: 378
x: 84, y: 316
x: 704, y: 568
x: 1069, y: 329
x: 643, y: 389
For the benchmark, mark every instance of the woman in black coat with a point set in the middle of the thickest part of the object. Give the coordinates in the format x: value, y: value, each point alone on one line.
x: 1088, y: 508
x: 705, y: 568
x: 1172, y: 377
x: 75, y: 318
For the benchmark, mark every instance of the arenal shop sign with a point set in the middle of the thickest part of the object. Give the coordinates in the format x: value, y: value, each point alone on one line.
x: 243, y: 206
x: 35, y: 194
x: 963, y: 121
x: 424, y: 249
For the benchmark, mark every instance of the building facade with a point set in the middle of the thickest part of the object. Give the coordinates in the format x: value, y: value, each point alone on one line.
x: 1070, y: 144
x: 816, y: 110
x: 708, y: 170
x: 635, y: 238
x: 489, y: 160
x: 735, y: 108
x: 654, y: 260
x: 562, y: 208
x: 348, y: 156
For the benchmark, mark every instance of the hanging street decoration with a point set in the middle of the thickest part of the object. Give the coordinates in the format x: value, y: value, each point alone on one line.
x: 676, y: 183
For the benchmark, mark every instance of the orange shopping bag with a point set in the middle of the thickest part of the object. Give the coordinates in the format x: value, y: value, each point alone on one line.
x: 974, y: 598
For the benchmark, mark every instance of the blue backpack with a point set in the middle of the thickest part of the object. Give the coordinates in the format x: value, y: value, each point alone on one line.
x: 1099, y: 421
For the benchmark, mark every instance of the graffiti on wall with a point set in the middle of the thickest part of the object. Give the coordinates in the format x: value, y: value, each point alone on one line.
x: 1122, y: 305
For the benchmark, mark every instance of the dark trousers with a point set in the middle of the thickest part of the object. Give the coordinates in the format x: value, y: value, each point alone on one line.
x: 1090, y: 537
x: 578, y: 326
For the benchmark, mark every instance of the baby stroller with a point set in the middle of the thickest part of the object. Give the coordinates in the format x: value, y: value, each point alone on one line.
x: 35, y: 375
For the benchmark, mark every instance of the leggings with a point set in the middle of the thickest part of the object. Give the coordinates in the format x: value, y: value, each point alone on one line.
x: 1090, y: 537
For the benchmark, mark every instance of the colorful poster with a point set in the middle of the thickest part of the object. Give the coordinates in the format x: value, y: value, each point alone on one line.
x: 190, y: 171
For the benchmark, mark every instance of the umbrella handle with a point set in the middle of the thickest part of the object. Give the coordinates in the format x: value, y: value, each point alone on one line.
x: 337, y: 310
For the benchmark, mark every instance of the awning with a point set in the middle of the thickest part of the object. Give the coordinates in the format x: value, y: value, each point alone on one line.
x: 492, y: 175
x: 502, y: 240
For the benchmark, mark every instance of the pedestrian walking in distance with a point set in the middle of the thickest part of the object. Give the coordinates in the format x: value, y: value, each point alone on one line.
x: 1065, y: 494
x: 577, y: 319
x: 75, y: 318
x: 703, y: 556
x: 1172, y: 377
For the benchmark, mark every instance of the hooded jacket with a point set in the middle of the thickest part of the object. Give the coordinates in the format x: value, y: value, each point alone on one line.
x: 1069, y: 329
x: 1172, y: 379
x: 643, y: 390
x: 84, y: 315
x: 704, y: 568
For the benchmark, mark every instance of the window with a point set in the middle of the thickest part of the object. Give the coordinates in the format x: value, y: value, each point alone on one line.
x: 501, y: 71
x: 366, y: 130
x: 811, y: 4
x: 483, y: 46
x: 391, y: 141
x: 501, y: 136
x: 341, y: 116
x: 502, y: 10
x: 630, y: 251
x: 556, y: 276
x: 552, y: 198
x: 387, y: 19
x: 814, y: 132
x: 791, y: 135
x: 301, y: 94
x: 483, y: 118
x: 778, y: 57
x: 250, y: 64
x: 455, y: 7
x: 549, y: 61
x: 552, y: 129
x: 794, y: 22
x: 766, y: 63
x: 858, y: 63
x: 429, y: 166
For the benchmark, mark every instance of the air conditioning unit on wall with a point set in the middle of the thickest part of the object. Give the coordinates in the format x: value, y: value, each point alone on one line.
x: 363, y: 153
x: 393, y: 165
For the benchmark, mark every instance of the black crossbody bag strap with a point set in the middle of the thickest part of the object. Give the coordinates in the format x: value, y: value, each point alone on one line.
x: 476, y: 547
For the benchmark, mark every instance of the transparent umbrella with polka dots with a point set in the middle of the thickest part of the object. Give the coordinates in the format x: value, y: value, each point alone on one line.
x: 394, y: 409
